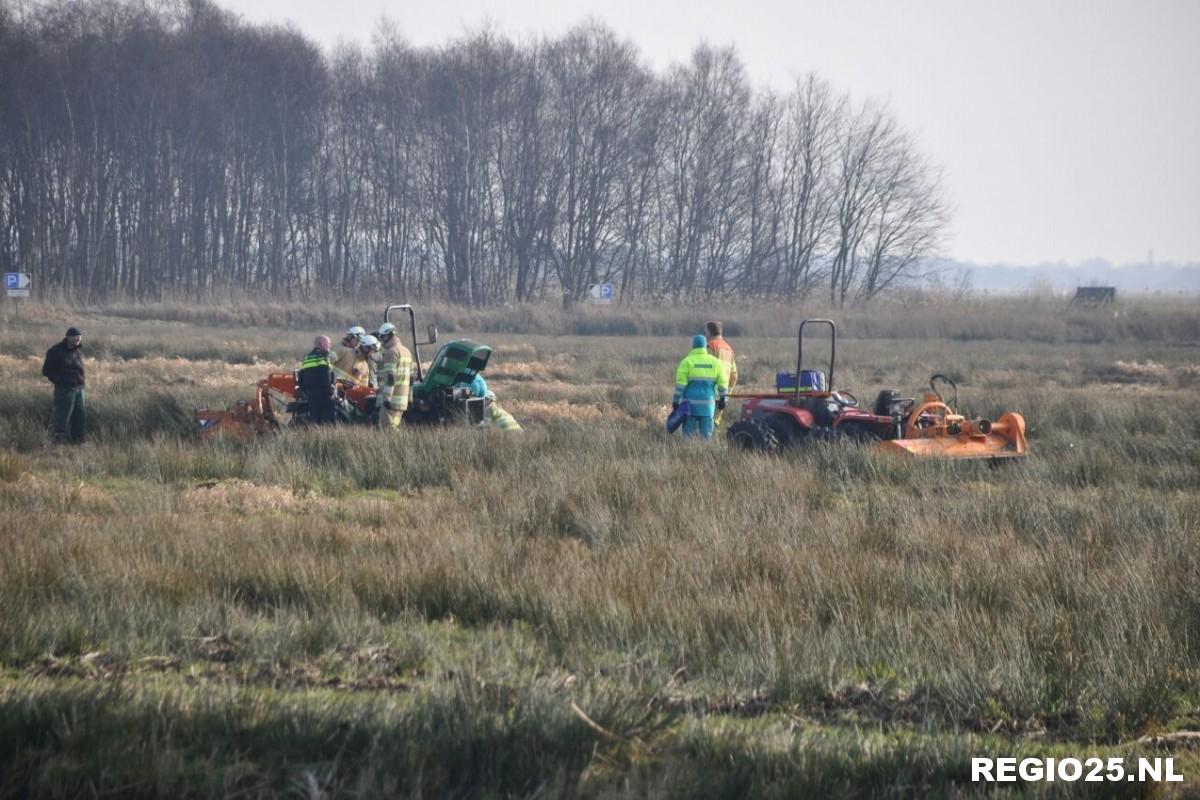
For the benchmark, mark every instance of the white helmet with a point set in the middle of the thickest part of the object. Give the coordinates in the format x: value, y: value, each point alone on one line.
x: 386, y: 329
x: 357, y: 331
x: 368, y: 341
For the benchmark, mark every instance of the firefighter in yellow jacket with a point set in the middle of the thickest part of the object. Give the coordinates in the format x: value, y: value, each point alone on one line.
x: 351, y: 364
x: 702, y: 381
x: 394, y: 375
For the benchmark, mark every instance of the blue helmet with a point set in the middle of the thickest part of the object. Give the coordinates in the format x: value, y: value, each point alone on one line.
x: 699, y: 341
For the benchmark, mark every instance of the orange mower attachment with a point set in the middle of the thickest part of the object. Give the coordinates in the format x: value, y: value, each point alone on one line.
x: 933, y: 428
x: 245, y: 419
x: 952, y: 435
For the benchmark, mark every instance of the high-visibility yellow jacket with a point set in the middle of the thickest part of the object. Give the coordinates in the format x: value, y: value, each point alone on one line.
x: 501, y: 419
x: 701, y: 380
x: 720, y: 348
x: 394, y: 374
x: 316, y: 376
x: 352, y: 365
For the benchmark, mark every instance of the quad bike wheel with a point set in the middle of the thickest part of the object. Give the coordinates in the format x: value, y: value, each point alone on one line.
x: 748, y: 434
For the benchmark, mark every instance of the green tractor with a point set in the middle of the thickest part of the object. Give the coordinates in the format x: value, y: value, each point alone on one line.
x: 439, y: 396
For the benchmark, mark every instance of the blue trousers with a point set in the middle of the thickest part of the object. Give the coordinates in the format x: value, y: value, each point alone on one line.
x: 702, y: 425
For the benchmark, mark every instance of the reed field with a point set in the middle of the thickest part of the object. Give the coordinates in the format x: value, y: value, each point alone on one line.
x: 594, y: 608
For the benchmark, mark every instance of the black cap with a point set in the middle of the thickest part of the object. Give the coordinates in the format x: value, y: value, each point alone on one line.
x: 73, y: 331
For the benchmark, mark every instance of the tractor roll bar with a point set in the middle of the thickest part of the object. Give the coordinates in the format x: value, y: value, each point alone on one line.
x: 412, y: 324
x: 800, y: 353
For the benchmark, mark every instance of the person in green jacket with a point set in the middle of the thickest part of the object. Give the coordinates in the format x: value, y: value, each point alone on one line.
x: 703, y: 382
x: 63, y: 367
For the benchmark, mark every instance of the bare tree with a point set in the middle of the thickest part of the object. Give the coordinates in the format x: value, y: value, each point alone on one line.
x: 813, y: 117
x: 148, y: 149
x: 397, y: 229
x: 707, y: 102
x: 864, y: 139
x: 763, y: 194
x: 523, y: 171
x: 906, y: 226
x: 594, y: 80
x: 460, y: 90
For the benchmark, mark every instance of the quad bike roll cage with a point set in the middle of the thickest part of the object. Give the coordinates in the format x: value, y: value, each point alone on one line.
x: 430, y: 331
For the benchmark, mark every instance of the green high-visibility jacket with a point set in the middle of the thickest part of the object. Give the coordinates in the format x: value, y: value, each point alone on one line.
x: 701, y: 379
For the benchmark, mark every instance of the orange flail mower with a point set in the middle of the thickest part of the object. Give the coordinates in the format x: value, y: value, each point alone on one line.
x: 934, y: 429
x: 246, y: 419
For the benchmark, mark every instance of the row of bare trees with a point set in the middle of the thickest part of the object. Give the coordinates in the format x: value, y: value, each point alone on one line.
x: 147, y: 151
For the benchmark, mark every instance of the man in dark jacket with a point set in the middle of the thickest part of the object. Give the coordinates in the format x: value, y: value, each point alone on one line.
x: 316, y: 381
x: 64, y: 368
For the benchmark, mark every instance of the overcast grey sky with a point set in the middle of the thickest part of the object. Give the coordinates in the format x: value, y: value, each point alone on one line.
x: 1067, y: 129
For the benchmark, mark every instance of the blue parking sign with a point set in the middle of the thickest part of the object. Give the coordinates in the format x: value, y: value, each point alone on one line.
x: 17, y: 284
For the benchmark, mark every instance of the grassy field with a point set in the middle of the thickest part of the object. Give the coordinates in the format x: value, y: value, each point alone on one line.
x: 593, y: 608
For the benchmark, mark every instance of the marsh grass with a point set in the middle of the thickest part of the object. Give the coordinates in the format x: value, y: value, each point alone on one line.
x: 353, y: 614
x: 914, y: 315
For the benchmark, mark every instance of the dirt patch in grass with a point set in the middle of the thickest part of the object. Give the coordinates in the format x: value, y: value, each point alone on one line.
x: 371, y: 669
x: 1147, y: 373
x: 514, y: 351
x: 308, y: 676
x: 12, y: 466
x: 243, y: 497
x: 541, y: 411
x: 1139, y: 372
x: 35, y: 491
x: 20, y: 364
x: 557, y: 368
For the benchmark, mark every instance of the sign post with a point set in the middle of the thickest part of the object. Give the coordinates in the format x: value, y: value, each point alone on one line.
x: 600, y: 293
x: 17, y: 285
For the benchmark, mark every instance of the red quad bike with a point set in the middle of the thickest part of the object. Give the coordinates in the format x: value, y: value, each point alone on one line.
x: 805, y: 406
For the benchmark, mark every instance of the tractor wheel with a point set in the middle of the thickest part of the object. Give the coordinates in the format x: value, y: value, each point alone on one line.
x: 787, y: 432
x: 749, y: 434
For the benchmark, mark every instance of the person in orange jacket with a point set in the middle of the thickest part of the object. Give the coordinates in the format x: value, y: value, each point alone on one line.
x: 718, y: 347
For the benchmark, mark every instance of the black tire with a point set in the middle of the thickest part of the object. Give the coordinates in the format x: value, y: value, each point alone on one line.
x: 787, y: 432
x: 748, y: 434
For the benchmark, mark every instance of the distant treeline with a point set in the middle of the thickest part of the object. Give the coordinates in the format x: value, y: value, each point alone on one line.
x: 152, y: 149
